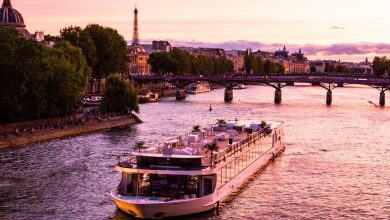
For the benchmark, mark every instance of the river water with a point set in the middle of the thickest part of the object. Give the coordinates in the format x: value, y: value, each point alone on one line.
x: 336, y: 164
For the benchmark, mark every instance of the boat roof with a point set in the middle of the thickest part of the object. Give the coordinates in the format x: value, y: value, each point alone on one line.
x: 166, y: 156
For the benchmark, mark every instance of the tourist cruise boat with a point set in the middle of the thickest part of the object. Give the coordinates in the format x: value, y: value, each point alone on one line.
x: 198, y: 87
x: 188, y: 175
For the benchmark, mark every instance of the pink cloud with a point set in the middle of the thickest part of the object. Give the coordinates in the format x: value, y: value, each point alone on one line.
x: 308, y: 49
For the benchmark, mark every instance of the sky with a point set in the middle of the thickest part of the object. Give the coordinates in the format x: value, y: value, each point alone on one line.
x: 349, y: 30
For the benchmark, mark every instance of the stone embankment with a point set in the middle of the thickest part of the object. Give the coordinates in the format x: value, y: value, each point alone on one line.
x: 19, y: 134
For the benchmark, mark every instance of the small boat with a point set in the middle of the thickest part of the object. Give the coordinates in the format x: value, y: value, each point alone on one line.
x: 198, y: 87
x: 239, y: 87
x: 148, y: 97
x: 195, y: 172
x: 92, y: 101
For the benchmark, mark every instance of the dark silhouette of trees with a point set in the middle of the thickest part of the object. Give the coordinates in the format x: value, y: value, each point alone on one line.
x: 255, y: 65
x: 120, y: 96
x: 38, y: 81
x: 380, y: 65
x: 104, y: 48
x: 180, y: 62
x: 67, y: 79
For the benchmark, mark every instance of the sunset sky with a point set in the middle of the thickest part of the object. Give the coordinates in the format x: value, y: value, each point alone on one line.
x: 347, y: 29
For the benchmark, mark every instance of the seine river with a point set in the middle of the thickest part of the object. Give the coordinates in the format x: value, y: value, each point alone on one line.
x: 336, y: 164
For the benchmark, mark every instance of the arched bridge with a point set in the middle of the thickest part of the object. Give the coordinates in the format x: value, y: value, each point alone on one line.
x: 328, y: 82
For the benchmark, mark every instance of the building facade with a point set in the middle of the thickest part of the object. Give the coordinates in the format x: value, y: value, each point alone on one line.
x: 293, y: 63
x: 161, y: 46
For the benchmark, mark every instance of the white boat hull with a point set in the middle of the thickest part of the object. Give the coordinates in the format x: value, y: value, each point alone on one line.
x: 157, y: 209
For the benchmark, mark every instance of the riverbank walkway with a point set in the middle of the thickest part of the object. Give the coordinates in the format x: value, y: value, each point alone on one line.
x: 14, y: 137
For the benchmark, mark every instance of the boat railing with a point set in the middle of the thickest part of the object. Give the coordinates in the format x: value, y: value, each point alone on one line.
x: 234, y: 148
x: 223, y: 155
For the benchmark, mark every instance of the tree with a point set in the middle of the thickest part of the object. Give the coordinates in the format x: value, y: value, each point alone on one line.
x: 80, y: 38
x: 111, y: 51
x: 212, y: 147
x: 250, y: 63
x: 380, y: 65
x: 161, y: 62
x: 38, y: 81
x: 181, y: 62
x: 279, y: 68
x: 139, y: 146
x: 120, y: 96
x: 196, y: 128
x: 23, y: 74
x: 67, y: 79
x: 221, y: 122
x: 104, y: 48
x: 267, y: 67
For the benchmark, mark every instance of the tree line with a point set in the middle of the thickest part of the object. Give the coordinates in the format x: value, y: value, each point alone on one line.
x: 380, y: 66
x: 338, y: 68
x: 103, y: 47
x: 39, y: 81
x: 180, y: 62
x: 256, y: 65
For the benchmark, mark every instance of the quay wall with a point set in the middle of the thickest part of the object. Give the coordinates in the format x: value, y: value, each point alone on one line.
x: 50, y: 134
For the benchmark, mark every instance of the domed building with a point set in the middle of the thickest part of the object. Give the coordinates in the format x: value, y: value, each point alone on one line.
x: 10, y: 17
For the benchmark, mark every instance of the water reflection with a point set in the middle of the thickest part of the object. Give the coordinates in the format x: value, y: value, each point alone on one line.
x: 335, y: 165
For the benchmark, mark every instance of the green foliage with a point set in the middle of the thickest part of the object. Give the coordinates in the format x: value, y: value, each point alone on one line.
x: 181, y: 62
x: 37, y: 81
x: 196, y: 128
x: 68, y: 79
x: 104, y: 48
x: 380, y: 65
x: 256, y: 65
x: 340, y: 68
x: 139, y: 146
x: 120, y: 96
x: 79, y: 38
x: 161, y: 62
x: 221, y: 122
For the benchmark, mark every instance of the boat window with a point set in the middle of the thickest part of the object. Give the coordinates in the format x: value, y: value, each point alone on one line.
x: 160, y: 162
x: 167, y: 186
x: 207, y: 186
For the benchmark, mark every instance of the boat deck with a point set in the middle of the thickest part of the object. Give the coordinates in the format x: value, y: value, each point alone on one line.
x: 196, y: 143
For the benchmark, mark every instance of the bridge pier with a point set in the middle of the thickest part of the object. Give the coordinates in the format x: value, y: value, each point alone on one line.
x: 278, y: 96
x: 329, y: 97
x: 382, y: 99
x: 180, y: 94
x: 229, y: 94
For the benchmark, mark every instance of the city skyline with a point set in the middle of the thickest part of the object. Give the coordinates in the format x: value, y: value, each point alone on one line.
x: 324, y: 30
